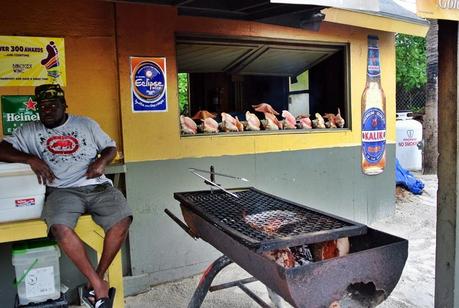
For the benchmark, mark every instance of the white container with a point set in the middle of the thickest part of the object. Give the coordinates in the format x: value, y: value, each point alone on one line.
x: 408, y: 149
x: 21, y: 197
x: 37, y: 271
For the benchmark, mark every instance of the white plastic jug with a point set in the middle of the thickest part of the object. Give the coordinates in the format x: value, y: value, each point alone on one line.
x: 409, y: 142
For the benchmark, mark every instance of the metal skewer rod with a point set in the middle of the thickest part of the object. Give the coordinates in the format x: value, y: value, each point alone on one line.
x: 221, y: 174
x: 214, y: 184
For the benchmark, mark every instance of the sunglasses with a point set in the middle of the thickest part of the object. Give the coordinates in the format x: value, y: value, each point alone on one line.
x: 50, y: 106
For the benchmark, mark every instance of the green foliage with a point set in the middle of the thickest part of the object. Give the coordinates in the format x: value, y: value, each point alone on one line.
x: 416, y: 109
x: 183, y: 92
x: 411, y: 61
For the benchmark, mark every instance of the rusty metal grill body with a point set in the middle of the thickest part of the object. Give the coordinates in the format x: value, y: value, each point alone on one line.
x: 374, y: 256
x: 263, y: 222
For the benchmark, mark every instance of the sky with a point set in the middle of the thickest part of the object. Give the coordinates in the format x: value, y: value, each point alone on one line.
x: 408, y: 4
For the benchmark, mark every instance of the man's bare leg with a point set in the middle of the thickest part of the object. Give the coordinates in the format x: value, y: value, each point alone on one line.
x: 114, y: 238
x: 73, y: 247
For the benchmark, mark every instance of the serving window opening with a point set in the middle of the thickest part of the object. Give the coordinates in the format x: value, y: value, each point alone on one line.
x: 230, y: 86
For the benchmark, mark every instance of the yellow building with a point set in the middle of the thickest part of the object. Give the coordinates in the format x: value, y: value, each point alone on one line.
x: 234, y: 56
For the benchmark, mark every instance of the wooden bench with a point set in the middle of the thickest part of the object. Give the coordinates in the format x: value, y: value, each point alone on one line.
x: 87, y: 230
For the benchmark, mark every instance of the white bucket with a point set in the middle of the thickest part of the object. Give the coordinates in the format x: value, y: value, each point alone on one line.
x: 37, y: 271
x: 409, y: 142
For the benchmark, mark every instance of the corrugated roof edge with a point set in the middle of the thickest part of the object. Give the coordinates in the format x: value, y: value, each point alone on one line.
x: 390, y: 9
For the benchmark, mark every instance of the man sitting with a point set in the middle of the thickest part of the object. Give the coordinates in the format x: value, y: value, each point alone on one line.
x: 69, y: 155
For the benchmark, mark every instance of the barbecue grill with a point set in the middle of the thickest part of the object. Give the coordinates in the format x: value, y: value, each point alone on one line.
x: 245, y: 224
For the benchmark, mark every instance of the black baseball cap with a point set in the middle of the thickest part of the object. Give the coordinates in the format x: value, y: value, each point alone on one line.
x: 47, y: 92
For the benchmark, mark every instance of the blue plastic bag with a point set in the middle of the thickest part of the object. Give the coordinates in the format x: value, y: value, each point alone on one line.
x: 404, y: 178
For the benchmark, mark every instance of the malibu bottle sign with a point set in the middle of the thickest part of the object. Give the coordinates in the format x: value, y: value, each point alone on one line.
x: 17, y: 110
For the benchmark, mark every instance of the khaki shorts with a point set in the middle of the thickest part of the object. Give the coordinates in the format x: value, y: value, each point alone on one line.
x: 103, y: 202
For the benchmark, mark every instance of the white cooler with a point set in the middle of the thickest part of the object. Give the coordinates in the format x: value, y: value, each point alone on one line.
x: 21, y: 197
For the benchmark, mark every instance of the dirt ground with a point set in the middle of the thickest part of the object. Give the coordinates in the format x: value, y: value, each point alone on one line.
x: 414, y: 219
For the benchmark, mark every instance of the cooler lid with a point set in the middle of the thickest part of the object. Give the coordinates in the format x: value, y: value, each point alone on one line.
x: 21, y: 248
x: 11, y: 169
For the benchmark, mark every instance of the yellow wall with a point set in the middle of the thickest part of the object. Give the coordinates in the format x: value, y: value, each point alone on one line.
x: 87, y: 27
x: 156, y: 136
x: 98, y: 72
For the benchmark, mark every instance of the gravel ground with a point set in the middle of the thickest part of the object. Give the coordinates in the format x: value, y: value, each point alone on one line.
x: 415, y: 220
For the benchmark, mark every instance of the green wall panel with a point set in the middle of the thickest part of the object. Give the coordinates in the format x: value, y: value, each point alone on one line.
x: 326, y: 179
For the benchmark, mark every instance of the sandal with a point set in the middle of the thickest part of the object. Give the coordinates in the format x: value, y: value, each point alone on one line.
x: 106, y: 302
x: 87, y: 296
x: 103, y: 302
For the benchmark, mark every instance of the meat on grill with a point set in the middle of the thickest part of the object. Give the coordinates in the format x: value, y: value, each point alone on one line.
x: 330, y: 249
x: 270, y: 221
x: 291, y: 257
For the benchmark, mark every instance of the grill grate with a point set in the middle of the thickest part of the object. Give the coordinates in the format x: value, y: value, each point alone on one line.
x: 257, y: 217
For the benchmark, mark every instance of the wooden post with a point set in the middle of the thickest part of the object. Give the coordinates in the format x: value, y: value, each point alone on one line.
x: 447, y: 254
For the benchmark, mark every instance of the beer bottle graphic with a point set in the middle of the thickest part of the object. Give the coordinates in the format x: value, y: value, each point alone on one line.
x: 373, y: 115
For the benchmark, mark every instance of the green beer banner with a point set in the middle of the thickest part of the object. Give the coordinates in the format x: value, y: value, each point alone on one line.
x: 17, y: 110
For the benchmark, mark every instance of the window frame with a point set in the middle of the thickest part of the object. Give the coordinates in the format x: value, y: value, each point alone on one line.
x: 276, y: 43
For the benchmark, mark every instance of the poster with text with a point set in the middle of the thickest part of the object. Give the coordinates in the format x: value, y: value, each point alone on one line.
x: 148, y: 84
x: 31, y: 61
x: 18, y: 110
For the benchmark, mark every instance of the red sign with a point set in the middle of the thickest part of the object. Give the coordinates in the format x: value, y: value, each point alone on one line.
x: 24, y: 202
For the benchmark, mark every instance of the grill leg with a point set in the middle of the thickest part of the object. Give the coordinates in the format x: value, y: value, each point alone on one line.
x: 206, y: 280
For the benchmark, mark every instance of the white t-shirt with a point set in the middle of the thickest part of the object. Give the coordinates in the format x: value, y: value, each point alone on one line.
x: 67, y: 149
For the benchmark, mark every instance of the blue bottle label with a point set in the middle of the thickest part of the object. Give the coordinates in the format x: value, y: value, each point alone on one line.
x: 373, y: 134
x: 374, y: 67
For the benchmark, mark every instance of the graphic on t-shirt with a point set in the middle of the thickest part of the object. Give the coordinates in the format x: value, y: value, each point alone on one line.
x: 67, y: 146
x: 64, y: 145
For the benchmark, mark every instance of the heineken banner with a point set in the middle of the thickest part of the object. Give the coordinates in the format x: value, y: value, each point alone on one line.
x: 17, y: 110
x: 31, y: 61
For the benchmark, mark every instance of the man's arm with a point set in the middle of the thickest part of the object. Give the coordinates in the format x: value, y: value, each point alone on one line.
x: 97, y: 167
x: 11, y: 155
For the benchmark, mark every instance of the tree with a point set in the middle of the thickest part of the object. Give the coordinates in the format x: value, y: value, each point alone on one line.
x: 430, y: 125
x: 182, y: 79
x: 411, y: 61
